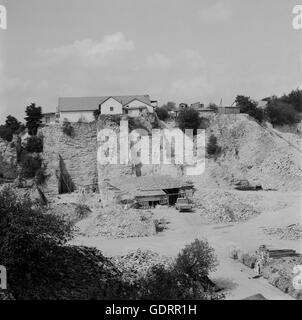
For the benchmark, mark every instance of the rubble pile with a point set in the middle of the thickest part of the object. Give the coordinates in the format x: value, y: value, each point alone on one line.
x: 72, y: 212
x: 291, y: 232
x: 115, y: 222
x: 252, y: 152
x: 136, y: 264
x: 279, y: 273
x: 220, y: 206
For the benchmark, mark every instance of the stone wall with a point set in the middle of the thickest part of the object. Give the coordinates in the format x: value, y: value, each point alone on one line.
x: 75, y: 156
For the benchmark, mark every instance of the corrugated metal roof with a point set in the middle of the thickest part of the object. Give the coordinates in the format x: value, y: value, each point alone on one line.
x: 147, y: 183
x: 150, y: 193
x: 92, y: 103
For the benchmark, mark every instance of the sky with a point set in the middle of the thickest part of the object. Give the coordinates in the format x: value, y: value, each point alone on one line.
x: 173, y: 50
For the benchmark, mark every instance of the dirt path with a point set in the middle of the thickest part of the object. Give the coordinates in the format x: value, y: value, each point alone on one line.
x: 185, y: 227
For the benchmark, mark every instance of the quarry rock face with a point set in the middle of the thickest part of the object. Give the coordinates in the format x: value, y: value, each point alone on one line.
x: 8, y: 159
x: 251, y: 152
x: 71, y: 157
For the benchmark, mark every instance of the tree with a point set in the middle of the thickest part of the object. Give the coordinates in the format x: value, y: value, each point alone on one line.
x: 13, y: 124
x: 162, y: 113
x: 189, y: 119
x: 282, y: 113
x: 245, y: 103
x: 212, y: 146
x: 249, y: 106
x: 67, y: 128
x: 33, y: 118
x: 169, y: 106
x: 196, y: 260
x: 294, y: 98
x: 6, y: 133
x: 213, y: 106
x: 28, y: 238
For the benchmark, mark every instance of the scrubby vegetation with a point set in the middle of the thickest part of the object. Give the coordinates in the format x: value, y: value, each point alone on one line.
x: 11, y: 126
x: 67, y: 128
x: 189, y: 119
x: 29, y: 165
x: 34, y: 144
x: 33, y: 118
x: 249, y: 106
x: 162, y: 113
x: 185, y: 277
x: 285, y: 110
x: 212, y: 147
x: 96, y: 114
x: 282, y: 113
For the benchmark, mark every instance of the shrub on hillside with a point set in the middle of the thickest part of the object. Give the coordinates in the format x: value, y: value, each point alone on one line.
x: 27, y: 237
x: 33, y: 118
x: 6, y: 133
x: 184, y: 279
x: 34, y: 144
x: 249, y: 106
x: 212, y: 147
x: 29, y: 165
x: 189, y: 119
x: 281, y: 113
x: 213, y: 106
x: 162, y: 113
x: 294, y: 98
x: 67, y: 128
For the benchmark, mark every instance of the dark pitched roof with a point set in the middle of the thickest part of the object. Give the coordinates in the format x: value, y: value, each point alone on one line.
x: 92, y: 103
x: 147, y: 183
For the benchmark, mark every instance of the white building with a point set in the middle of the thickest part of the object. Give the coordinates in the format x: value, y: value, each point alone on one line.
x: 76, y: 109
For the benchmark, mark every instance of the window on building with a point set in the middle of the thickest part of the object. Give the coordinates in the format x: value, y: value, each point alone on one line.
x: 111, y: 108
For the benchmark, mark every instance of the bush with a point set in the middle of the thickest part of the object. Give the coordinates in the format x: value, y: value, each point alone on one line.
x: 29, y: 165
x: 281, y: 113
x: 249, y: 106
x: 96, y: 114
x: 196, y: 260
x: 27, y: 237
x: 82, y: 210
x: 294, y: 98
x: 6, y: 133
x: 168, y: 284
x: 33, y: 118
x: 67, y: 128
x: 162, y: 113
x: 34, y: 144
x: 185, y: 279
x: 189, y: 119
x: 13, y: 124
x: 212, y: 147
x: 213, y: 106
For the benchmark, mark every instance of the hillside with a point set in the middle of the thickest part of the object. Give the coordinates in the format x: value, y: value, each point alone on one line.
x: 252, y: 152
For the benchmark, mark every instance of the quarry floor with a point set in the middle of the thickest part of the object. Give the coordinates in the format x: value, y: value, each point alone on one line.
x: 186, y: 226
